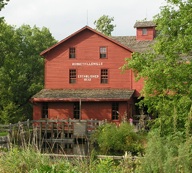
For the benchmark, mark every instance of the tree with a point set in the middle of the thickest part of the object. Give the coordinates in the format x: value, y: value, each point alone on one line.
x: 104, y: 25
x: 3, y: 3
x: 167, y: 70
x: 21, y: 68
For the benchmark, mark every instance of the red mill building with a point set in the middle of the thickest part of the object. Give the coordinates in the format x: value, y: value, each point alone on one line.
x: 83, y: 79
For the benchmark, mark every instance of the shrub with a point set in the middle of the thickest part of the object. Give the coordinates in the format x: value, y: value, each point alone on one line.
x: 172, y: 154
x: 110, y: 139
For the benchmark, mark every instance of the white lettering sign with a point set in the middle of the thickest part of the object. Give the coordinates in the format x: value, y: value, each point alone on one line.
x: 87, y: 64
x: 88, y: 77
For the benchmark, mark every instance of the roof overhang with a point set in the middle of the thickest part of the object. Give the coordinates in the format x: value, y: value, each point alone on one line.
x: 71, y: 95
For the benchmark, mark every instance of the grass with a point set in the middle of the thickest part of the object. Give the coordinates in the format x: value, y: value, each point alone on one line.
x: 3, y: 133
x: 32, y: 161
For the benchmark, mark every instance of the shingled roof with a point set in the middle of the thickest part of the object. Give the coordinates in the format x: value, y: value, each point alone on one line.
x: 132, y: 43
x: 83, y: 94
x: 144, y: 24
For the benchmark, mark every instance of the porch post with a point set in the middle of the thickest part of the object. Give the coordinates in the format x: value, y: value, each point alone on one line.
x: 80, y: 109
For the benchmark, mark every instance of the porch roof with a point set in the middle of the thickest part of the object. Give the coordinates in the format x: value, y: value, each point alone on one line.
x: 55, y: 95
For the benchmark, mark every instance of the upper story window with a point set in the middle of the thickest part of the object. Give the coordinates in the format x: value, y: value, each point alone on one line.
x: 144, y: 31
x: 115, y: 111
x: 104, y: 75
x: 72, y: 52
x: 72, y: 76
x: 103, y: 52
x: 44, y: 110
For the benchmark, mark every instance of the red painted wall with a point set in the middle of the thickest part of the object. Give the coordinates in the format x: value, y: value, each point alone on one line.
x: 37, y: 111
x: 137, y: 85
x: 89, y: 110
x: 87, y: 45
x: 60, y: 110
x: 150, y: 34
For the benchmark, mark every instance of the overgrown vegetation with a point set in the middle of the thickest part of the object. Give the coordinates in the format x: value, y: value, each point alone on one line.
x: 29, y: 160
x: 166, y: 154
x: 112, y: 140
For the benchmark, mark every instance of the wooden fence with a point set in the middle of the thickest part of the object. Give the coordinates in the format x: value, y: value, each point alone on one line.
x: 59, y: 136
x: 51, y: 135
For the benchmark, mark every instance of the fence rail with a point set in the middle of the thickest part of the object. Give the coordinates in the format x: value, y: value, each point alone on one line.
x: 56, y: 134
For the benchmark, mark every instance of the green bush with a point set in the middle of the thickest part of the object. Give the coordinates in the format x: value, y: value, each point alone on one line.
x: 110, y: 139
x: 170, y: 154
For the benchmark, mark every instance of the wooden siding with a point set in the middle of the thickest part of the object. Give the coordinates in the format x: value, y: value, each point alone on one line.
x: 149, y: 36
x: 37, y: 107
x: 89, y: 110
x: 87, y: 45
x: 137, y: 85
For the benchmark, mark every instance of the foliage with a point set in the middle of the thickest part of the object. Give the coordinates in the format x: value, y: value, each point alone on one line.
x: 111, y: 139
x: 21, y: 68
x: 3, y: 3
x: 30, y: 160
x: 166, y: 154
x: 104, y: 25
x: 167, y: 69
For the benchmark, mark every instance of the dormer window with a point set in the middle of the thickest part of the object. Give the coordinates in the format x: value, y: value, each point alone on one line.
x: 144, y: 31
x: 103, y: 52
x: 72, y: 52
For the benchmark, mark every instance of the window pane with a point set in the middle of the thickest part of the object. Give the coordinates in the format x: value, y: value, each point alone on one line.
x: 115, y: 111
x: 44, y: 110
x: 144, y: 31
x: 103, y: 52
x: 104, y: 75
x: 76, y: 110
x: 71, y: 52
x: 72, y: 76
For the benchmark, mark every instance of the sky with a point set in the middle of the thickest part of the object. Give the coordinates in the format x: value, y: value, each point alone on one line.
x: 64, y: 17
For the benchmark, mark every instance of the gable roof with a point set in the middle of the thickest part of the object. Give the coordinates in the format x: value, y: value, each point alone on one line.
x: 144, y: 24
x: 79, y: 31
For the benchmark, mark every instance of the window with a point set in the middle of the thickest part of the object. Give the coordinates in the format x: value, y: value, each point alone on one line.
x: 115, y: 111
x: 72, y: 76
x: 76, y: 110
x: 104, y: 75
x: 144, y: 31
x: 103, y: 52
x: 44, y: 110
x: 71, y: 52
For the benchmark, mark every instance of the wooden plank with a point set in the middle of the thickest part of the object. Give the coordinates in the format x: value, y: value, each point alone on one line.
x: 65, y: 141
x: 80, y: 129
x: 66, y: 156
x: 111, y: 157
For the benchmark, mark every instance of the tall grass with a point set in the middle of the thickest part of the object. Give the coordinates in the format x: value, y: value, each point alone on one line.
x: 32, y: 161
x: 170, y: 154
